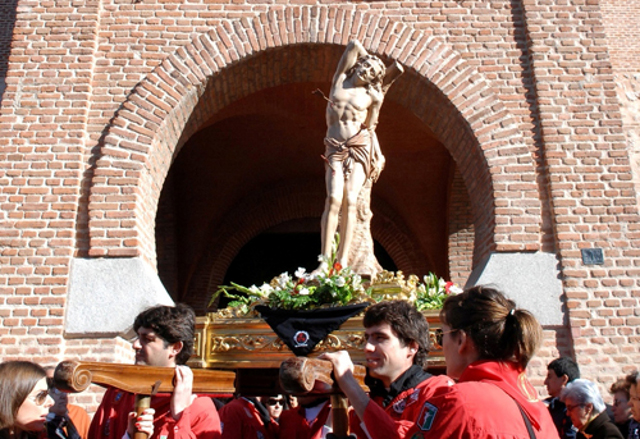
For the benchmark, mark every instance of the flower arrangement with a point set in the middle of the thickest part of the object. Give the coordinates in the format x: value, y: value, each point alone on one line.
x: 330, y: 285
x: 333, y: 285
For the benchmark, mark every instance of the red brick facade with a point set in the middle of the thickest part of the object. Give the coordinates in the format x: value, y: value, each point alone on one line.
x: 523, y: 99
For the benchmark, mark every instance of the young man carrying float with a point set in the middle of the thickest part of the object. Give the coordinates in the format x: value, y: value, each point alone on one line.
x: 396, y: 350
x: 165, y: 339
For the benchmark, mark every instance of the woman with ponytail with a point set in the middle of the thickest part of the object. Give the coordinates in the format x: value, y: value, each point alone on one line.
x: 487, y: 344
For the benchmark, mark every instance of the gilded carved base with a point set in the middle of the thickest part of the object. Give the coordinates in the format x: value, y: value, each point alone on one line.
x: 237, y: 343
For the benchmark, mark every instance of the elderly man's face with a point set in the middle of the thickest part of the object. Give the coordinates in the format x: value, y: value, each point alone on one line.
x: 579, y: 413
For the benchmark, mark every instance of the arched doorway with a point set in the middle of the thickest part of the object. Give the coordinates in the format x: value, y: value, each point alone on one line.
x: 199, y: 85
x: 255, y: 170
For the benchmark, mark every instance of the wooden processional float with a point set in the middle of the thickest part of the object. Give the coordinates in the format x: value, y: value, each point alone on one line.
x: 298, y: 375
x: 143, y: 381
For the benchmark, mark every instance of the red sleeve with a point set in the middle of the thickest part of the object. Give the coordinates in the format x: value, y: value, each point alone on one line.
x: 379, y: 424
x: 273, y: 429
x: 111, y: 418
x: 232, y: 419
x: 289, y: 424
x: 199, y: 420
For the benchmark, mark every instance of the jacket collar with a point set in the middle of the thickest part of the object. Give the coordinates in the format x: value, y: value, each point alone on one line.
x: 408, y: 380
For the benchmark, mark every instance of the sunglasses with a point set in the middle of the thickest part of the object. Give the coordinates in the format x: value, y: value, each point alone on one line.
x: 571, y: 408
x: 41, y: 397
x: 439, y: 333
x: 273, y: 401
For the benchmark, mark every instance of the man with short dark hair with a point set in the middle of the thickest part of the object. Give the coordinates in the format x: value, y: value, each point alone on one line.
x: 165, y: 339
x: 560, y: 372
x: 396, y: 350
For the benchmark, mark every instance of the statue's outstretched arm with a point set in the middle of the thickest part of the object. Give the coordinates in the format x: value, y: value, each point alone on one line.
x: 351, y: 54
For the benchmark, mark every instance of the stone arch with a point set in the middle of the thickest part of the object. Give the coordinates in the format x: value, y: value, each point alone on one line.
x: 170, y: 105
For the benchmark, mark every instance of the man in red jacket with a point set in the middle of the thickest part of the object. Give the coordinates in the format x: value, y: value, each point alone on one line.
x: 310, y: 420
x: 165, y: 339
x: 396, y: 350
x: 247, y: 418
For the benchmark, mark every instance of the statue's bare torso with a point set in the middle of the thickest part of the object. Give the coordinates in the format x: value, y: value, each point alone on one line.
x: 347, y: 113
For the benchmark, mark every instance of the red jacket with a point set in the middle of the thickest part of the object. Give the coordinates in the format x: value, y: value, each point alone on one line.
x: 294, y: 425
x: 399, y: 416
x: 241, y: 420
x: 200, y: 420
x: 482, y: 406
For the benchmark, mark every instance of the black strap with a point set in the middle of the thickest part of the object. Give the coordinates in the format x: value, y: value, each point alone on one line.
x: 532, y: 435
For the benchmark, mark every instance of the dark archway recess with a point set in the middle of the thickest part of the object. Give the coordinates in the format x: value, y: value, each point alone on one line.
x: 256, y: 166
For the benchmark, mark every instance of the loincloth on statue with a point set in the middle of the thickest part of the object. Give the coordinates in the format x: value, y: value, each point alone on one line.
x: 355, y: 149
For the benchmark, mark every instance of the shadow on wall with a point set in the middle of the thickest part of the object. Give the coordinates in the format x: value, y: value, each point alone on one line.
x: 7, y: 23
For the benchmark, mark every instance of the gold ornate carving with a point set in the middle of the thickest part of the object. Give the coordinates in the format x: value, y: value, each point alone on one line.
x: 249, y: 343
x: 234, y: 343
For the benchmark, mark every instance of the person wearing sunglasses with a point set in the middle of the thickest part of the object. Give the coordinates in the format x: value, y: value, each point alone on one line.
x: 587, y: 411
x: 396, y: 351
x: 24, y: 400
x: 274, y: 404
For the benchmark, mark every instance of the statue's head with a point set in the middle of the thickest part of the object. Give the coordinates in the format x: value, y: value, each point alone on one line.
x: 369, y: 69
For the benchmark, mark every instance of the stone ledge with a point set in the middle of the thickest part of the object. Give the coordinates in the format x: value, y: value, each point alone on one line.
x: 532, y: 280
x: 106, y: 295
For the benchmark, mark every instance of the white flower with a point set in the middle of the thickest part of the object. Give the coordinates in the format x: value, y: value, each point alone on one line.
x: 300, y: 272
x: 283, y: 279
x: 254, y: 289
x: 357, y: 280
x: 266, y: 289
x: 340, y: 282
x: 454, y: 289
x: 304, y: 292
x: 441, y: 283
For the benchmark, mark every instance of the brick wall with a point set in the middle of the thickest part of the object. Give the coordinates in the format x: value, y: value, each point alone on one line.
x: 101, y: 96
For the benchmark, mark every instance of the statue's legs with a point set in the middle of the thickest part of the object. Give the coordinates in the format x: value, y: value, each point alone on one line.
x: 334, y: 180
x: 354, y: 183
